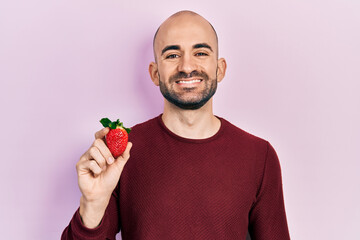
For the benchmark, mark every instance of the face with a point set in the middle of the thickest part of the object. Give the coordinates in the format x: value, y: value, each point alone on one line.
x: 186, y: 69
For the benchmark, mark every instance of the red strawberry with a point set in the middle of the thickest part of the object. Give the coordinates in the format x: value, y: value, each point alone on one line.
x: 117, y: 137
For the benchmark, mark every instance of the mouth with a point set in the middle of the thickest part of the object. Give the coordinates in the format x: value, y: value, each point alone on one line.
x: 189, y: 81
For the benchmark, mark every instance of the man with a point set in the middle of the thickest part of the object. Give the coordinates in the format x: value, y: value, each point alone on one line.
x: 191, y: 175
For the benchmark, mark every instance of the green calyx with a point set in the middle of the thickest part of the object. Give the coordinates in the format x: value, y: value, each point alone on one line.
x: 113, y: 125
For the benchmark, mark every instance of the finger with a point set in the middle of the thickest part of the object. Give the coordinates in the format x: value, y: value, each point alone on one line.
x: 93, y: 166
x: 101, y: 134
x: 97, y: 156
x: 121, y: 160
x: 126, y: 153
x: 104, y: 150
x: 85, y: 166
x: 80, y: 165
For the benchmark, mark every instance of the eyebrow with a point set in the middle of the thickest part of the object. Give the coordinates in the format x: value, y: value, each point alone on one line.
x: 202, y: 45
x: 177, y: 47
x: 170, y: 47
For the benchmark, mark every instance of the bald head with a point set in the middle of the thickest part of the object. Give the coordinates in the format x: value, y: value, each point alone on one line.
x: 186, y: 68
x: 179, y: 23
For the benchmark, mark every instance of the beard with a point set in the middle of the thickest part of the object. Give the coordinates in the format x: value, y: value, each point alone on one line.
x: 193, y: 103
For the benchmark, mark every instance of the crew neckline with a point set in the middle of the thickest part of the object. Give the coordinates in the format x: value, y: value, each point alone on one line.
x: 192, y: 140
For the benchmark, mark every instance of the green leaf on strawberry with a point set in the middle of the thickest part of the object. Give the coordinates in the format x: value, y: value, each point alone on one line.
x: 105, y: 122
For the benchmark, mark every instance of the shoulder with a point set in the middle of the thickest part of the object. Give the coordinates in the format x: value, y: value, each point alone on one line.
x: 252, y: 145
x: 144, y: 129
x: 145, y: 125
x: 241, y: 137
x: 254, y: 150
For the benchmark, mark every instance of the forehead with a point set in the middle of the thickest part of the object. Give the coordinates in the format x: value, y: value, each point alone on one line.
x: 185, y: 31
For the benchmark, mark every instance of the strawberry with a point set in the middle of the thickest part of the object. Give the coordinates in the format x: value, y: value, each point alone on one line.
x: 117, y: 137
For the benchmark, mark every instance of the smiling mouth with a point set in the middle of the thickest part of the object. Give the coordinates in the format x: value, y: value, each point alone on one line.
x: 189, y: 81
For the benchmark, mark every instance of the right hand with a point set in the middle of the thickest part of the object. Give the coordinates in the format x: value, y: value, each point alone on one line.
x: 98, y: 174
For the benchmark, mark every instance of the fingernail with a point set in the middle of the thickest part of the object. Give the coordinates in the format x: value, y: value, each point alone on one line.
x: 111, y: 160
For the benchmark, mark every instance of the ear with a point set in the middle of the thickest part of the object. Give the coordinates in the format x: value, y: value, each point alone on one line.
x: 153, y: 71
x: 221, y: 69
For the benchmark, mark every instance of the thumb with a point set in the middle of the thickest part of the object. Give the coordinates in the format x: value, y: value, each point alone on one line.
x: 122, y: 160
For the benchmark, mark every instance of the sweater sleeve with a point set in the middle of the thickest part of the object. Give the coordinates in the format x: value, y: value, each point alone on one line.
x: 108, y: 228
x: 267, y: 219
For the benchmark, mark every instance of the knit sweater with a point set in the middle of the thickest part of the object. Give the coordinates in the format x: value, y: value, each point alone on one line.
x: 173, y: 188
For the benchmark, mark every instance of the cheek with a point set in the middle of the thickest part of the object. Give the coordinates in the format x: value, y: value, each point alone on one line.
x: 212, y: 70
x: 167, y: 70
x: 209, y: 65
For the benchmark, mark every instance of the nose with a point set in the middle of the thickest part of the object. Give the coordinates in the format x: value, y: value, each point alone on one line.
x: 187, y: 64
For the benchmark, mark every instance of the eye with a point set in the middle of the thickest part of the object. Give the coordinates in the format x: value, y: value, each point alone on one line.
x: 201, y: 54
x: 172, y: 56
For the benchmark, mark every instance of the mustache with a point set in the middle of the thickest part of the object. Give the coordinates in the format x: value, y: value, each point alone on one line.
x: 183, y: 75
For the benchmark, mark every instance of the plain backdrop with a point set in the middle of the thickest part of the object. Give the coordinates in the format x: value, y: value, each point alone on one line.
x: 293, y: 79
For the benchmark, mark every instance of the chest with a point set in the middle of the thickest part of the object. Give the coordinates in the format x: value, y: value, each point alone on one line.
x: 184, y: 184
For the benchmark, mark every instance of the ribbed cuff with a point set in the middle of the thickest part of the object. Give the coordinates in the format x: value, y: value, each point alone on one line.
x: 82, y: 232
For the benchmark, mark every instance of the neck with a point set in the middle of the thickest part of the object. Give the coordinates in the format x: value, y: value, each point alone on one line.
x: 195, y: 124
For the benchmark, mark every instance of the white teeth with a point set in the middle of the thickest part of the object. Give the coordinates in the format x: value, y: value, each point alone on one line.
x: 191, y: 81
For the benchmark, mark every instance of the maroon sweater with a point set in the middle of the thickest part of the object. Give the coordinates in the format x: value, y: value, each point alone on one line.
x: 177, y: 188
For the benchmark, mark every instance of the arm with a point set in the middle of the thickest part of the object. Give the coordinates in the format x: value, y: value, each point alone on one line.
x: 98, y: 175
x: 267, y: 219
x: 107, y: 229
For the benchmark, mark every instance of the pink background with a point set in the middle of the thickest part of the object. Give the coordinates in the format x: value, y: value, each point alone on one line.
x: 293, y: 79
